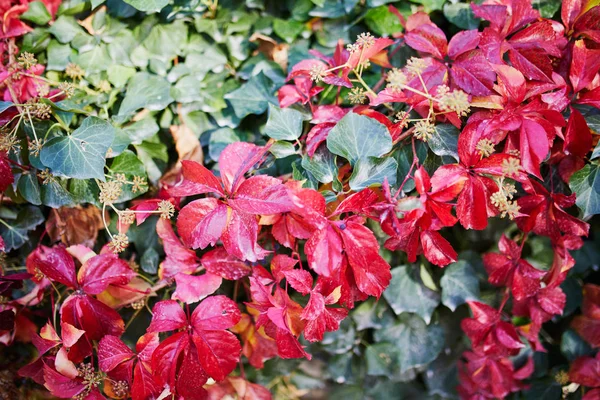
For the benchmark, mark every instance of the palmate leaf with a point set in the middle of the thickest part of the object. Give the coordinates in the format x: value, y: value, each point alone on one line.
x: 253, y: 97
x: 586, y: 184
x: 418, y: 344
x: 357, y: 137
x: 14, y: 232
x: 284, y: 124
x: 407, y: 293
x: 81, y: 154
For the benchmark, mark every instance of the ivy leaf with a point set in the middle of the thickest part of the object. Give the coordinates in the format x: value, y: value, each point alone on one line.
x: 252, y: 98
x: 129, y: 165
x: 321, y: 165
x: 29, y: 188
x: 148, y: 6
x: 284, y: 123
x: 37, y: 13
x: 461, y: 15
x: 407, y: 293
x: 357, y: 137
x: 5, y: 105
x: 418, y: 343
x: 14, y: 232
x: 573, y: 346
x: 382, y: 359
x: 444, y: 142
x: 145, y: 91
x: 459, y: 285
x: 586, y: 185
x: 372, y: 171
x: 82, y: 154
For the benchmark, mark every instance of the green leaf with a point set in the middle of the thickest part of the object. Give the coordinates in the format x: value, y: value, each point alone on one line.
x: 5, y: 105
x: 459, y: 284
x: 321, y: 165
x: 431, y: 5
x: 129, y: 165
x: 29, y: 188
x: 59, y: 56
x: 154, y: 155
x: 118, y: 75
x: 444, y: 141
x: 94, y: 61
x: 357, y: 137
x: 166, y: 41
x: 149, y: 261
x: 382, y: 359
x: 219, y: 139
x: 371, y: 314
x: 55, y: 194
x: 145, y: 91
x: 65, y: 28
x: 547, y: 8
x: 288, y: 30
x: 586, y: 185
x: 547, y: 390
x: 418, y: 344
x: 252, y: 98
x: 82, y: 154
x: 14, y: 232
x: 381, y: 21
x: 37, y: 13
x: 573, y: 346
x: 406, y: 293
x: 372, y: 172
x: 282, y: 149
x: 461, y: 15
x: 284, y: 123
x: 148, y: 6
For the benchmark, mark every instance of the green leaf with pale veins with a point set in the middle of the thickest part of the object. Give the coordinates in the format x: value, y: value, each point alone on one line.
x: 586, y: 184
x: 407, y: 293
x: 418, y: 344
x: 459, y: 285
x: 145, y: 91
x: 14, y: 232
x: 284, y: 123
x: 253, y: 97
x: 148, y: 6
x: 81, y: 154
x: 357, y: 137
x: 444, y: 141
x: 372, y: 172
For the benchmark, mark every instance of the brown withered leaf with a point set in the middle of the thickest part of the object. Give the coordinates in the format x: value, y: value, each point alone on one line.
x: 187, y: 146
x: 76, y: 225
x: 274, y: 51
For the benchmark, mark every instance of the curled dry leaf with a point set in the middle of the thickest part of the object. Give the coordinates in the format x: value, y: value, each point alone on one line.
x: 277, y: 52
x: 76, y: 225
x: 187, y: 146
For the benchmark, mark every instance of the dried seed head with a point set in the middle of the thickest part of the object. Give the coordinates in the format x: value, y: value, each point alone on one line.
x: 424, y: 130
x: 119, y: 243
x: 357, y: 95
x: 67, y: 88
x: 120, y: 389
x: 138, y: 304
x: 104, y: 86
x: 562, y: 378
x: 74, y: 71
x: 485, y: 147
x: 401, y: 118
x: 415, y: 65
x: 8, y: 142
x: 396, y: 80
x: 511, y: 167
x: 365, y: 40
x: 126, y: 217
x: 456, y: 100
x: 110, y: 191
x: 317, y: 73
x: 46, y: 176
x: 121, y: 178
x: 166, y: 209
x: 27, y: 60
x: 139, y: 184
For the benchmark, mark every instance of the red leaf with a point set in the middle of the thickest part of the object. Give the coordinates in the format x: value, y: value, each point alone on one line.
x: 193, y: 288
x: 585, y: 64
x: 586, y: 371
x: 6, y: 178
x: 54, y: 262
x: 371, y: 272
x: 324, y: 251
x: 261, y: 195
x: 437, y: 249
x: 219, y: 262
x: 112, y: 352
x: 144, y: 385
x: 578, y: 137
x: 178, y: 258
x: 202, y: 222
x: 240, y: 237
x: 167, y: 315
x: 370, y: 52
x: 102, y: 270
x: 94, y: 317
x: 237, y: 159
x: 300, y: 280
